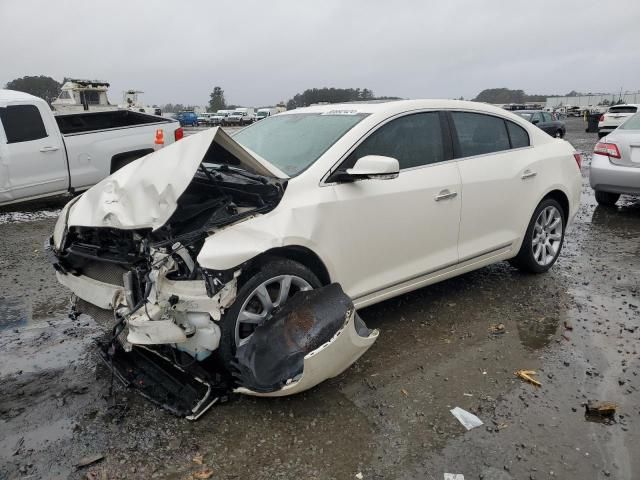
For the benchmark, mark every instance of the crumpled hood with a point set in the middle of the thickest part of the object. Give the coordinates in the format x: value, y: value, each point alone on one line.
x: 144, y: 194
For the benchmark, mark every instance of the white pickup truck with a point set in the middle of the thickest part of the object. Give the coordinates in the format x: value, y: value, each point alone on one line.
x: 43, y: 155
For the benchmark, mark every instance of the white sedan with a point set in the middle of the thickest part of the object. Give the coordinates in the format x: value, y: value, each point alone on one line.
x: 200, y: 244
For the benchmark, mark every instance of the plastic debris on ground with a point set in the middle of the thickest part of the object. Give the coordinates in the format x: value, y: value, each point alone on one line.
x: 497, y: 329
x: 468, y: 420
x: 527, y: 376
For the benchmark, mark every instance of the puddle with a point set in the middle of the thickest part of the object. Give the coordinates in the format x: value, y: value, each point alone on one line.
x: 24, y: 217
x: 537, y: 333
x: 13, y: 313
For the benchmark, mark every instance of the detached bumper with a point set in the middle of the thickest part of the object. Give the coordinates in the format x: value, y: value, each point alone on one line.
x: 316, y: 336
x: 328, y: 361
x: 607, y: 177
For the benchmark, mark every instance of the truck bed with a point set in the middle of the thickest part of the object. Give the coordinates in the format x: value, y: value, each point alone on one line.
x: 75, y: 123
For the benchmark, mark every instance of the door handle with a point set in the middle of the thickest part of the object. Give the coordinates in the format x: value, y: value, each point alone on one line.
x: 444, y: 195
x: 528, y: 174
x: 49, y: 149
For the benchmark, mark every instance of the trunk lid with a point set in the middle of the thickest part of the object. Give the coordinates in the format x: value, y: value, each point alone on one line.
x: 144, y: 194
x: 628, y: 143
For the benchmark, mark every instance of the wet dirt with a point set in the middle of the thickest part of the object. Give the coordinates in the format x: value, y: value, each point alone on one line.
x: 577, y: 326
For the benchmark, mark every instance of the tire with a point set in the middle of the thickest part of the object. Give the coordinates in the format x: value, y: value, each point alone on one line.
x: 268, y: 272
x: 559, y: 134
x: 529, y: 258
x: 607, y: 199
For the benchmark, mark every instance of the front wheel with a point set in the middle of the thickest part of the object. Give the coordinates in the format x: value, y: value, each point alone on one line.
x: 258, y: 298
x: 543, y: 239
x: 607, y: 199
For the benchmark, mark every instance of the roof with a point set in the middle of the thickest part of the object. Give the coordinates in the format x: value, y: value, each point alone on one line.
x: 14, y: 96
x: 398, y: 106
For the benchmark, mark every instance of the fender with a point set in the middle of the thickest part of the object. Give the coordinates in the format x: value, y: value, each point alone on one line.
x: 236, y: 244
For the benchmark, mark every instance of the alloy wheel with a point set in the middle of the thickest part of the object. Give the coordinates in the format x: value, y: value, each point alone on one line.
x: 265, y: 298
x: 547, y: 235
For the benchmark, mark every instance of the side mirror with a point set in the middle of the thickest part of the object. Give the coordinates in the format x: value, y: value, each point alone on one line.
x: 374, y: 166
x: 535, y: 122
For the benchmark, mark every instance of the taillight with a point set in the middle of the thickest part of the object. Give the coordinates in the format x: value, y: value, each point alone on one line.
x: 578, y: 157
x: 601, y: 119
x: 608, y: 149
x: 178, y: 134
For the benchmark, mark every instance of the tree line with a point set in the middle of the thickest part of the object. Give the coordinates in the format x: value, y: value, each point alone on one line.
x: 333, y: 95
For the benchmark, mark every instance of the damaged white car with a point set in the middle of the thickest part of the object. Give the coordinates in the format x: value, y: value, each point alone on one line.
x: 204, y: 245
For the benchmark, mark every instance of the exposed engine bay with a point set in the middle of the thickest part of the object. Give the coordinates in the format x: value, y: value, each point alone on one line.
x: 128, y: 249
x: 157, y: 271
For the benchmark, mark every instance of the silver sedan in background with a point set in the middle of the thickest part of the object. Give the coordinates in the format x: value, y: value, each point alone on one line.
x: 615, y: 168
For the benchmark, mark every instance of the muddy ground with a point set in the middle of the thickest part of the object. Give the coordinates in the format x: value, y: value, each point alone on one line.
x: 388, y: 416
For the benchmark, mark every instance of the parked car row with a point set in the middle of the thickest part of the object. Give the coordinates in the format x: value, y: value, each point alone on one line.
x: 237, y: 117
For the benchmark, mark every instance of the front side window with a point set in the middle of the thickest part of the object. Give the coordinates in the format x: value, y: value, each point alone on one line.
x: 293, y: 142
x: 547, y: 117
x: 414, y: 140
x: 479, y: 134
x: 22, y: 123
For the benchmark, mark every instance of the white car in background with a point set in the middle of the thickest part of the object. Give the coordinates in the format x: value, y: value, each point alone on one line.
x: 615, y: 166
x: 614, y: 117
x: 215, y: 234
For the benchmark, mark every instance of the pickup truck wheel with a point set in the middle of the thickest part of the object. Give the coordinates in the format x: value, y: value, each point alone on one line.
x: 607, y: 199
x: 258, y: 298
x: 543, y: 239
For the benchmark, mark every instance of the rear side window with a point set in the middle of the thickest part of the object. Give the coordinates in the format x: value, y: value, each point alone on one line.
x: 414, y: 140
x: 518, y: 135
x: 22, y: 123
x: 479, y: 134
x: 623, y: 109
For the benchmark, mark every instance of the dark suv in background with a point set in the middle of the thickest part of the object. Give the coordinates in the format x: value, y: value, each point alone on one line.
x: 544, y: 120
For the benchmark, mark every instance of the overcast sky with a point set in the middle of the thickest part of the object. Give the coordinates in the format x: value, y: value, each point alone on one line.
x: 264, y: 51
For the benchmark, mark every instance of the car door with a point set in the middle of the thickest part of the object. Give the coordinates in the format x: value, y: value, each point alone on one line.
x: 499, y: 183
x: 538, y: 120
x: 394, y: 230
x: 549, y: 123
x: 34, y: 154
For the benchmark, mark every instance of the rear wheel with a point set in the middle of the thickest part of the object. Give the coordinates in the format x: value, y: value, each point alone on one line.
x: 258, y: 298
x: 607, y: 199
x: 559, y: 133
x: 543, y: 239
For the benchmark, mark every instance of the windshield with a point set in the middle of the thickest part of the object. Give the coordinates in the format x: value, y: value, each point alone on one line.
x: 293, y: 142
x: 525, y: 115
x: 237, y: 113
x: 261, y: 114
x: 633, y: 123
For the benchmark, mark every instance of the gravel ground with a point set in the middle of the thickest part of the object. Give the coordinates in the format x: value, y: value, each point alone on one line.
x: 387, y: 416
